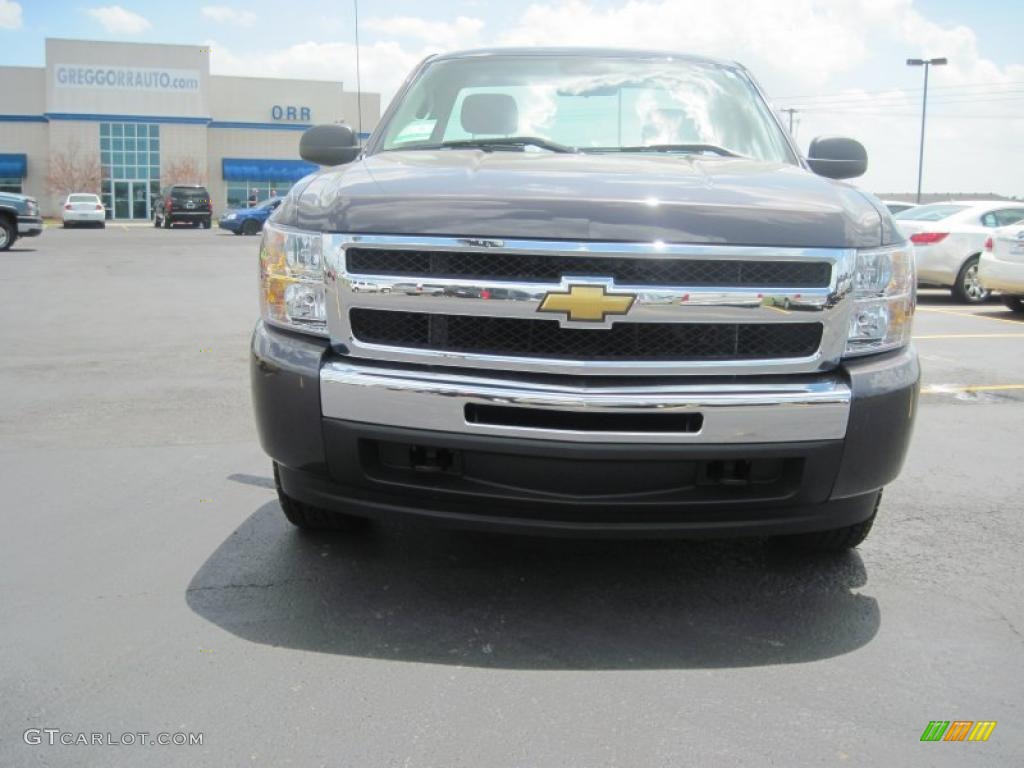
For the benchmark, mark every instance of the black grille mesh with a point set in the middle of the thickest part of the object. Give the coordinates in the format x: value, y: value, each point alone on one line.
x: 623, y: 341
x: 631, y: 271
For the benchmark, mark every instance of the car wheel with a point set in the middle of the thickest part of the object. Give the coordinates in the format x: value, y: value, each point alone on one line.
x: 207, y: 223
x: 156, y: 221
x: 7, y: 233
x: 311, y: 518
x: 968, y: 289
x: 1014, y: 303
x: 835, y: 540
x: 250, y: 227
x: 103, y: 224
x: 66, y: 224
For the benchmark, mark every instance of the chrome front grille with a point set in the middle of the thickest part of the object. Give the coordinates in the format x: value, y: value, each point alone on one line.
x: 521, y: 337
x: 476, y: 303
x: 491, y: 265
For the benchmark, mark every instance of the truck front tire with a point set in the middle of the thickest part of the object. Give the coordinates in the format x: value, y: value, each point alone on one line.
x: 835, y: 540
x: 310, y: 518
x: 8, y: 233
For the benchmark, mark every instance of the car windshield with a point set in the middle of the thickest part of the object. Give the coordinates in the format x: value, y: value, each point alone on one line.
x: 269, y: 203
x: 189, y: 193
x: 574, y: 103
x: 930, y: 212
x: 83, y: 199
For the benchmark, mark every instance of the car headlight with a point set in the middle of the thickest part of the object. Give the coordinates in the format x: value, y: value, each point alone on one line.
x: 32, y: 208
x: 884, y: 297
x: 292, y: 279
x: 231, y: 216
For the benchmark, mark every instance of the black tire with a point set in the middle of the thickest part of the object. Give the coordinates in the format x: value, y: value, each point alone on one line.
x: 967, y: 289
x: 207, y: 223
x: 103, y: 225
x: 8, y: 233
x: 835, y: 540
x: 250, y: 227
x: 156, y: 221
x: 1014, y: 304
x: 310, y: 518
x: 65, y: 225
x: 236, y: 231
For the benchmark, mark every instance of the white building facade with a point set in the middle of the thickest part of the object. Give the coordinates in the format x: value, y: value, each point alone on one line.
x: 150, y: 114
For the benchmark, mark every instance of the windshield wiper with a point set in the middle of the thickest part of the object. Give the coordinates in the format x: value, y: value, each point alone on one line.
x: 693, y: 148
x: 503, y: 142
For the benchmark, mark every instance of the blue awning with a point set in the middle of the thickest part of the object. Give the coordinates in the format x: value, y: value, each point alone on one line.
x: 242, y: 169
x: 13, y: 166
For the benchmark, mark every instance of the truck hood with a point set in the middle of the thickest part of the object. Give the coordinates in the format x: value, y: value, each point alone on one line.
x: 611, y: 197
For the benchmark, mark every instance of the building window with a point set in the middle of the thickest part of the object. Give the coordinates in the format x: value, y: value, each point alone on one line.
x: 10, y: 184
x: 130, y: 165
x: 239, y: 192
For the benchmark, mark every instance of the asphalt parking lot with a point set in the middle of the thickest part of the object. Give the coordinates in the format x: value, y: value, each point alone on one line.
x: 148, y: 581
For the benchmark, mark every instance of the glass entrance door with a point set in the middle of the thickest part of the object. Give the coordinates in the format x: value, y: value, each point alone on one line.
x: 140, y: 200
x: 122, y: 198
x: 131, y: 199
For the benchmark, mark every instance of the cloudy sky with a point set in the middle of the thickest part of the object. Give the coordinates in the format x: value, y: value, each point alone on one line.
x: 839, y: 62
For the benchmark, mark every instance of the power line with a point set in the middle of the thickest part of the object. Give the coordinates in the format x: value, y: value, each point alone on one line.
x: 986, y: 84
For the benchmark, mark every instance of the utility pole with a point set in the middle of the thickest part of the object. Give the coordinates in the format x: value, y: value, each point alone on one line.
x: 790, y: 111
x: 359, y: 83
x: 927, y: 64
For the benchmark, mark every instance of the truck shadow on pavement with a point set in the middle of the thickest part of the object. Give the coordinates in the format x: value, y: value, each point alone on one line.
x: 422, y: 594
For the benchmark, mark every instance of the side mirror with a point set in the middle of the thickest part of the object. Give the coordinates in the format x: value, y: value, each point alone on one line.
x: 836, y: 157
x: 329, y: 145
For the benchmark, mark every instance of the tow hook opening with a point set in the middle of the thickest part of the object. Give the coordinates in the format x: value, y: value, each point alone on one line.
x: 430, y: 460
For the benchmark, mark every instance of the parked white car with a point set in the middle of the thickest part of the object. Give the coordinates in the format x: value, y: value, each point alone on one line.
x: 1002, y: 266
x: 898, y: 206
x: 949, y: 238
x: 83, y: 208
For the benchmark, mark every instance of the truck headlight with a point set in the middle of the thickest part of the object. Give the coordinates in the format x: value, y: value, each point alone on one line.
x: 292, y: 279
x: 884, y: 296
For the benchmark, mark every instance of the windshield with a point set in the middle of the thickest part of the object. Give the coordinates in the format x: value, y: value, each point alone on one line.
x: 589, y: 104
x: 189, y: 193
x: 930, y: 212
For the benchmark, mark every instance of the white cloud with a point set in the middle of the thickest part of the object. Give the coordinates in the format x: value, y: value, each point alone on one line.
x: 119, y: 21
x: 441, y: 35
x: 10, y: 15
x: 223, y: 14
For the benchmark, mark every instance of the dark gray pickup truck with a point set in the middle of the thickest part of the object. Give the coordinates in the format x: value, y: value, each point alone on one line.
x: 590, y: 292
x: 19, y: 217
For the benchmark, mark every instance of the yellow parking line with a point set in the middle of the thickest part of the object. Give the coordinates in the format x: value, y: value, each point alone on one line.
x: 966, y: 313
x: 950, y: 390
x: 970, y: 336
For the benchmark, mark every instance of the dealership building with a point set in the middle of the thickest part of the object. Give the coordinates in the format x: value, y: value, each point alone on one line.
x: 153, y: 114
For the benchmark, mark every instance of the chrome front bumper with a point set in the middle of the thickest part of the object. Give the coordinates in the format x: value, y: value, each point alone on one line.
x: 808, y: 408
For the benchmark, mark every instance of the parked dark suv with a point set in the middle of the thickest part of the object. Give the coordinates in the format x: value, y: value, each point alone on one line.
x: 183, y: 203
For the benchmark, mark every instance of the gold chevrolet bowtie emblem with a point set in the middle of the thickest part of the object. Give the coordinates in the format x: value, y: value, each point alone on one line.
x: 587, y: 303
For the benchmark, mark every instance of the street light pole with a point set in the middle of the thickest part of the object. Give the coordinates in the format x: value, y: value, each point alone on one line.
x: 927, y: 64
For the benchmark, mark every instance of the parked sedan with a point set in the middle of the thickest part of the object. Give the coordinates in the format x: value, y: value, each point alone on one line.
x: 1002, y: 266
x: 248, y: 221
x: 898, y: 206
x: 949, y: 238
x: 84, y: 208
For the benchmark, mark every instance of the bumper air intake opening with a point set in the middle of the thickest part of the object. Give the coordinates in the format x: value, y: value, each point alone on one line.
x: 582, y: 421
